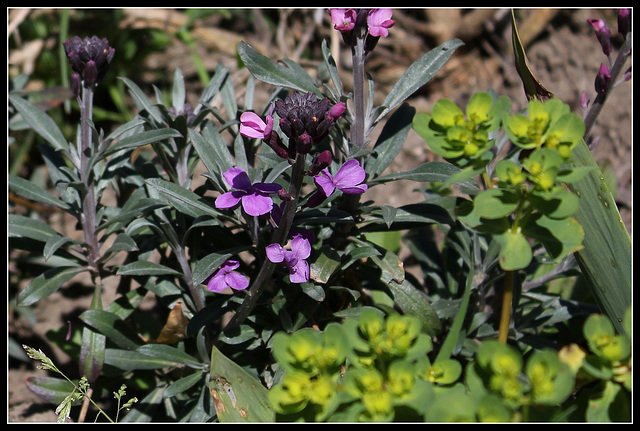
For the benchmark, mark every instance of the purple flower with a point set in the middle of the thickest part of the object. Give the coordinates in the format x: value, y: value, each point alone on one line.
x: 348, y: 179
x: 293, y: 259
x: 378, y: 21
x: 343, y: 19
x: 254, y: 197
x: 227, y: 277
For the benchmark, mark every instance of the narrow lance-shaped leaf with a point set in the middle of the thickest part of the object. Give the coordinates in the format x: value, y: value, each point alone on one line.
x: 417, y: 75
x: 532, y: 87
x: 605, y: 259
x: 40, y: 122
x: 267, y: 70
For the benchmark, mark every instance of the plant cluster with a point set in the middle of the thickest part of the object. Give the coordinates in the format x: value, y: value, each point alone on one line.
x: 376, y: 367
x: 283, y: 296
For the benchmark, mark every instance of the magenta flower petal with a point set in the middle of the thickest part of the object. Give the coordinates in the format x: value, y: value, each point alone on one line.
x: 226, y: 276
x: 228, y: 200
x: 343, y: 19
x: 252, y: 126
x: 300, y: 247
x: 299, y: 273
x: 379, y: 20
x: 216, y: 284
x: 256, y: 204
x: 254, y: 197
x: 325, y: 183
x: 236, y: 281
x: 237, y: 178
x: 347, y: 179
x: 349, y: 174
x: 275, y: 253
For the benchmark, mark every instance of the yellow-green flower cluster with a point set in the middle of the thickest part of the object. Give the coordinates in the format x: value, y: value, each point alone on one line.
x: 548, y: 125
x: 312, y: 361
x: 544, y: 380
x: 462, y: 139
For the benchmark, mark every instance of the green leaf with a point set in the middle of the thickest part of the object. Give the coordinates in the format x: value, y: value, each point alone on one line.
x: 29, y: 190
x: 40, y: 122
x: 390, y: 141
x: 51, y: 389
x: 415, y: 302
x: 182, y: 199
x: 495, y: 203
x: 145, y: 268
x: 418, y: 74
x: 183, y: 384
x: 143, y: 102
x: 168, y: 353
x: 532, y: 87
x: 237, y: 395
x: 47, y: 283
x: 430, y: 172
x: 135, y: 360
x: 110, y: 325
x: 515, y: 251
x: 266, y: 70
x: 141, y: 139
x: 605, y: 259
x: 21, y: 226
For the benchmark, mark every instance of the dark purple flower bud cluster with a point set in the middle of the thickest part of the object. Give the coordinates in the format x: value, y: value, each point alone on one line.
x: 306, y: 121
x: 89, y: 58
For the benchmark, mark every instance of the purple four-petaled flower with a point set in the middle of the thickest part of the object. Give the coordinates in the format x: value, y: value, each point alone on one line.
x: 225, y: 277
x: 348, y: 179
x: 254, y: 197
x: 293, y: 259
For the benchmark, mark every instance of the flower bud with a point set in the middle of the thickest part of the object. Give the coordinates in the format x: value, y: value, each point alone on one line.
x: 624, y: 21
x: 603, y: 79
x: 304, y: 143
x: 76, y: 83
x: 319, y: 162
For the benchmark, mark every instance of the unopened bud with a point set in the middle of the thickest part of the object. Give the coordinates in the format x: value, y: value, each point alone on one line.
x: 336, y: 110
x: 624, y: 21
x: 319, y: 162
x: 76, y: 83
x: 603, y: 79
x: 90, y: 73
x: 304, y: 143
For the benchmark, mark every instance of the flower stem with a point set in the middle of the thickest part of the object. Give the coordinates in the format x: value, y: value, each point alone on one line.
x: 279, y: 237
x: 505, y: 315
x: 616, y: 69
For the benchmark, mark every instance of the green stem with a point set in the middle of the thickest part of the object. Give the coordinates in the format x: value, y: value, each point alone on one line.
x: 505, y: 315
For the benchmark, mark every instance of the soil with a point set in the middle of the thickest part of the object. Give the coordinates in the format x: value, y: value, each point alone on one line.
x: 562, y: 50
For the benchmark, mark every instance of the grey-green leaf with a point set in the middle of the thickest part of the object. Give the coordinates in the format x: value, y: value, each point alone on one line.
x: 40, y: 122
x: 418, y: 74
x: 267, y: 70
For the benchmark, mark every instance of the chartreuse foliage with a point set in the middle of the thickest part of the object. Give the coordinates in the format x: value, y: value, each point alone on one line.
x: 376, y: 367
x: 528, y: 197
